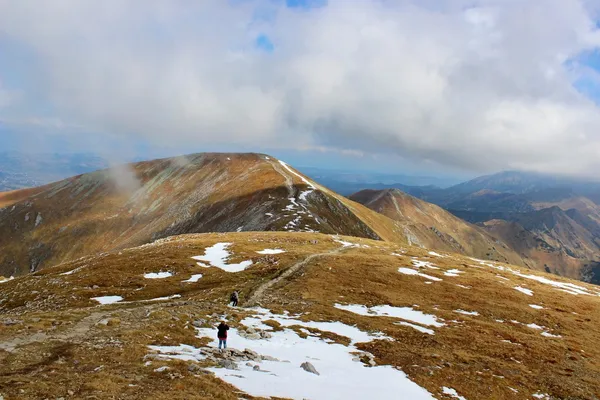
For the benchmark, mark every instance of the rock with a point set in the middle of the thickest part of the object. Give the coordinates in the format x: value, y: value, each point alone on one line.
x: 193, y: 368
x: 308, y: 367
x: 95, y: 287
x: 252, y: 355
x: 256, y: 368
x: 228, y: 364
x: 35, y: 320
x: 110, y: 322
x: 199, y: 323
x: 70, y: 392
x: 269, y: 358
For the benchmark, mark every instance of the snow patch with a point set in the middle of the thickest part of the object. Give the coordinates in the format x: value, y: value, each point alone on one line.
x: 528, y: 292
x: 466, y: 312
x: 453, y: 272
x: 107, y: 299
x: 406, y: 313
x: 420, y: 264
x: 271, y: 251
x: 409, y: 271
x: 536, y: 307
x: 217, y: 255
x: 451, y: 392
x: 194, y: 278
x: 158, y: 275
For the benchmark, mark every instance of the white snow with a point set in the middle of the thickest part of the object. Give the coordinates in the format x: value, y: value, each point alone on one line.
x: 451, y: 392
x: 406, y: 313
x: 108, y: 299
x: 466, y: 312
x: 310, y: 185
x: 418, y: 327
x: 421, y: 263
x: 453, y: 272
x: 217, y: 255
x: 158, y: 275
x: 535, y: 326
x: 341, y: 375
x: 175, y: 296
x: 548, y: 334
x: 271, y: 251
x: 433, y: 253
x: 409, y: 271
x: 194, y: 278
x: 541, y: 396
x: 72, y: 271
x: 3, y: 280
x: 528, y: 292
x: 568, y: 287
x: 536, y: 307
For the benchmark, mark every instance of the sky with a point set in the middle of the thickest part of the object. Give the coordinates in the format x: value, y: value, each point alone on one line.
x: 445, y: 87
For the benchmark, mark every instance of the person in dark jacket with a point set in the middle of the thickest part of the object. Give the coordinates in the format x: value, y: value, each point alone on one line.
x: 222, y: 334
x: 234, y: 298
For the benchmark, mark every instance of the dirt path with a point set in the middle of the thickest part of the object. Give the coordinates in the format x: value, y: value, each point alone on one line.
x: 289, y: 181
x: 78, y: 330
x: 260, y: 291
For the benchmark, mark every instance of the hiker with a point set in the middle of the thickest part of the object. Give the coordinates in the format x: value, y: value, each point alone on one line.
x: 234, y: 298
x: 222, y: 334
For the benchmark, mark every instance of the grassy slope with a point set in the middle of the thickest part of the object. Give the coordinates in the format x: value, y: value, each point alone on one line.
x: 71, y: 352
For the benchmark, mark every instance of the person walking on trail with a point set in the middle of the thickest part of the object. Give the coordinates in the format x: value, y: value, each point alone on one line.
x: 234, y: 298
x: 222, y: 334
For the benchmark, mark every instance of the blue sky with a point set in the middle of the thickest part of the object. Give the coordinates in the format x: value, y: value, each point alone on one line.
x: 437, y: 87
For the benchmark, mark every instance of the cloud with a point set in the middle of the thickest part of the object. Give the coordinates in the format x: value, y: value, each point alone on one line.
x: 479, y: 84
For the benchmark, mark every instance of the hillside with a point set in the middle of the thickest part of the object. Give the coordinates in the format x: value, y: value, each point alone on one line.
x: 433, y: 227
x: 138, y: 203
x: 565, y: 243
x: 372, y: 318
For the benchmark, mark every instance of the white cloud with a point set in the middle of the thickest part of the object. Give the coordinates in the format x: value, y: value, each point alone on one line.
x: 481, y: 84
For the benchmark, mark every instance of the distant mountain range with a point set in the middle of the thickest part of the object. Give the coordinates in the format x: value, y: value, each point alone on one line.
x: 554, y: 222
x: 20, y: 170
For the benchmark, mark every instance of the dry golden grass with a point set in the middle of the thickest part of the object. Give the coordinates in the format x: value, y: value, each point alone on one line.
x: 469, y: 354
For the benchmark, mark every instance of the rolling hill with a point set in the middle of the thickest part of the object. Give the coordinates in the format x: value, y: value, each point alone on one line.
x: 435, y: 227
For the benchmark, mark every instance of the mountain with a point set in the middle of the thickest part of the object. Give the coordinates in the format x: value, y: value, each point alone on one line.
x: 21, y: 170
x: 135, y: 204
x: 373, y: 319
x: 564, y: 243
x: 435, y: 227
x: 348, y: 182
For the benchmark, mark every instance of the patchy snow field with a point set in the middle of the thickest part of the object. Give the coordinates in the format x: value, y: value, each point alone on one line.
x: 405, y: 313
x: 217, y: 256
x: 342, y: 374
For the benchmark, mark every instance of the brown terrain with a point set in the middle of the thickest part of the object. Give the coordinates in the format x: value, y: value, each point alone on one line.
x: 503, y: 332
x: 136, y: 204
x: 430, y: 226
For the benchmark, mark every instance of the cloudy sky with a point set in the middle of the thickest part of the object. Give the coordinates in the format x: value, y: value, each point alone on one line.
x: 447, y: 86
